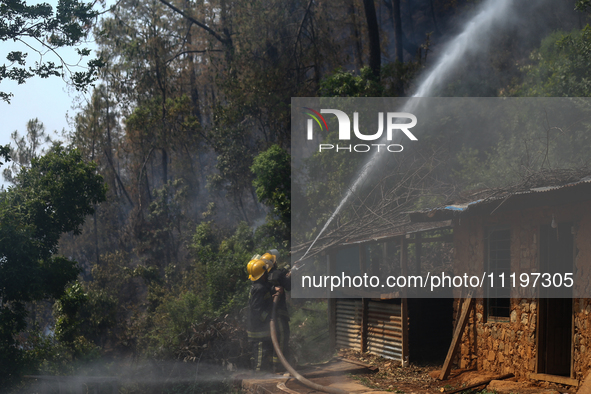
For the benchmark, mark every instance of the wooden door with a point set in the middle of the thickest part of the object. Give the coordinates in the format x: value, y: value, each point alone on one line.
x: 555, y: 310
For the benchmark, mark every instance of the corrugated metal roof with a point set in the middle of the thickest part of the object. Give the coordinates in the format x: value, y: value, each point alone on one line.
x: 495, y: 195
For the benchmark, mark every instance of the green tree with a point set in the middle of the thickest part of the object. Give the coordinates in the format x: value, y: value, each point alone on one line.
x: 560, y: 66
x: 272, y: 170
x: 27, y: 147
x: 45, y: 31
x: 50, y: 198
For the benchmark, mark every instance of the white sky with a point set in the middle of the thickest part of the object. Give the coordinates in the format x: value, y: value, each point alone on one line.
x: 49, y: 100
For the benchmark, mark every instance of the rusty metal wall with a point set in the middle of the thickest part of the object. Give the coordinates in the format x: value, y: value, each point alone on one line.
x: 348, y: 323
x: 384, y: 326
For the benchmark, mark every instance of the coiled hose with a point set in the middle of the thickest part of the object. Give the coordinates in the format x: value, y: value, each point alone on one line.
x: 289, y: 368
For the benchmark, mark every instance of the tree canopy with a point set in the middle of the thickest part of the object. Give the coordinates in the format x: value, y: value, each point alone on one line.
x: 50, y: 198
x: 44, y: 31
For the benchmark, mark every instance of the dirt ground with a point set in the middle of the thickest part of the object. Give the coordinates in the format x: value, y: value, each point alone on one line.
x: 420, y: 379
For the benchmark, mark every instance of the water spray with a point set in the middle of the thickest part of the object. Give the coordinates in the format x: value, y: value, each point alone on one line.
x: 491, y: 13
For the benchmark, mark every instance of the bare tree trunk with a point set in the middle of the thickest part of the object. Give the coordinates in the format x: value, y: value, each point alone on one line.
x: 194, y: 92
x: 352, y: 11
x: 432, y: 9
x: 164, y: 166
x: 96, y: 248
x: 373, y: 30
x: 397, y: 30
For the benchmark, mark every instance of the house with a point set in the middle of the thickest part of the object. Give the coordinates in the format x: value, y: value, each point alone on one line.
x: 389, y: 324
x: 541, y: 226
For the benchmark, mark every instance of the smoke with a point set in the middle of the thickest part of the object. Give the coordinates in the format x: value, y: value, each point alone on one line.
x: 526, y: 22
x: 145, y: 377
x: 474, y: 38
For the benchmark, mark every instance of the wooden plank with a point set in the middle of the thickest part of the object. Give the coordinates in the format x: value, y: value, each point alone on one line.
x: 572, y: 337
x: 585, y: 387
x: 554, y: 379
x: 404, y: 301
x: 370, y: 367
x: 332, y: 324
x: 281, y: 386
x: 404, y: 316
x: 362, y: 258
x: 403, y: 256
x: 332, y: 306
x: 457, y: 338
x: 473, y: 386
x: 418, y: 251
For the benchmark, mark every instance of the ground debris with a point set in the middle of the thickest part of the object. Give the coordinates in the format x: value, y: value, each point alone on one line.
x: 421, y: 379
x: 391, y: 376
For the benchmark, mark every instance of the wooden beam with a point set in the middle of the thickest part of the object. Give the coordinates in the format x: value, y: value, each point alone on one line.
x: 403, y: 256
x: 372, y: 368
x: 404, y: 322
x: 554, y: 379
x: 473, y: 386
x: 364, y: 323
x: 404, y: 301
x: 585, y: 386
x: 418, y: 251
x: 457, y: 338
x: 332, y: 306
x: 362, y: 258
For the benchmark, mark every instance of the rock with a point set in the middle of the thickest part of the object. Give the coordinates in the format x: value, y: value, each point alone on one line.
x: 509, y: 387
x: 435, y: 374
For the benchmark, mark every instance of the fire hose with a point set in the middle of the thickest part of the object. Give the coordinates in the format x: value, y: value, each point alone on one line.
x: 289, y: 368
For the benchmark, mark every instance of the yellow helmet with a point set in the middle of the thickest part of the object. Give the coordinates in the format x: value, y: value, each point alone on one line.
x: 271, y: 259
x: 252, y: 260
x: 256, y: 269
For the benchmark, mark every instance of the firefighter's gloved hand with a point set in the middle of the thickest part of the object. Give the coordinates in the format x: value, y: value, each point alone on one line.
x: 278, y: 291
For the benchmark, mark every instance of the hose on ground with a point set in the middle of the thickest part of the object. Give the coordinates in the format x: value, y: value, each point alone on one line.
x: 289, y: 368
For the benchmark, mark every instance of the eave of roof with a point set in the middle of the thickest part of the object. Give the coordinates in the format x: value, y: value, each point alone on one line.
x: 548, y: 195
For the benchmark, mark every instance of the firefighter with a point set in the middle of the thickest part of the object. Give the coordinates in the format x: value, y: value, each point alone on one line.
x: 280, y: 278
x: 260, y: 304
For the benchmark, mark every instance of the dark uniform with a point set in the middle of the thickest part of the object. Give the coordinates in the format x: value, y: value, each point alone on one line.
x: 260, y: 303
x: 278, y: 277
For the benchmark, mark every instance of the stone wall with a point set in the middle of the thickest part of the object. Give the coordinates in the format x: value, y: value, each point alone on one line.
x: 510, y: 345
x: 501, y: 346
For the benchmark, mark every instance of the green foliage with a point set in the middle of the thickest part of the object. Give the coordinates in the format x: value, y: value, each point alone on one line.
x: 50, y: 198
x: 26, y: 147
x: 343, y: 83
x: 332, y: 175
x: 582, y: 5
x: 173, y: 321
x: 67, y: 27
x: 393, y: 78
x: 560, y: 66
x: 224, y: 266
x: 309, y: 332
x: 66, y: 310
x: 530, y: 140
x: 235, y: 149
x: 161, y: 122
x: 272, y: 170
x: 5, y: 153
